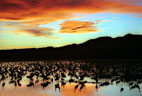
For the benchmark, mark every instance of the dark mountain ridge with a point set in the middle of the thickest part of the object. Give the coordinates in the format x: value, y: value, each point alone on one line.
x: 127, y: 47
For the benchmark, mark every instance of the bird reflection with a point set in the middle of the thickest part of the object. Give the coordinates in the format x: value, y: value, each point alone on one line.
x: 76, y: 87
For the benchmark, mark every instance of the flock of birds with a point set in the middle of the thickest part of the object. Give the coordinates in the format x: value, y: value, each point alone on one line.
x: 59, y: 73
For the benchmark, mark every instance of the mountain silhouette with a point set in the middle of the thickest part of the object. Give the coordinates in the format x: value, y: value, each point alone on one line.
x: 127, y: 47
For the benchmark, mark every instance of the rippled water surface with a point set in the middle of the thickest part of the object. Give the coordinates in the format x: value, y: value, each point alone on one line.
x: 70, y: 78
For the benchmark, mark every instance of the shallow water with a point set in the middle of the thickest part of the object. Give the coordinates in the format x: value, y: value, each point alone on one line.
x: 71, y: 78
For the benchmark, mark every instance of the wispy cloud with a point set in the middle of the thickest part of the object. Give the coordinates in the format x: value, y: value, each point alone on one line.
x: 35, y: 32
x: 19, y: 29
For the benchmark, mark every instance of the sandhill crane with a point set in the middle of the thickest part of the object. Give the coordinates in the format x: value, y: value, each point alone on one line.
x: 63, y: 83
x: 18, y: 82
x: 135, y: 86
x: 139, y: 82
x: 63, y: 75
x: 30, y: 84
x: 113, y: 80
x: 3, y: 84
x: 57, y: 86
x: 44, y: 84
x: 105, y: 84
x: 12, y: 81
x: 71, y: 80
x: 117, y: 82
x: 130, y: 84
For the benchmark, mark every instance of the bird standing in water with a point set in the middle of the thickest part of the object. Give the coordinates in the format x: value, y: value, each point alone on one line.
x: 122, y: 89
x: 57, y: 86
x: 3, y: 84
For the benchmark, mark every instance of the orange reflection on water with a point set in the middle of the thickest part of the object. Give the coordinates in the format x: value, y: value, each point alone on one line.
x: 89, y: 90
x: 67, y: 90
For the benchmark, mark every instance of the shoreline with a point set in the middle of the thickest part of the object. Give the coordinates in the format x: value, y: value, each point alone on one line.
x: 89, y: 60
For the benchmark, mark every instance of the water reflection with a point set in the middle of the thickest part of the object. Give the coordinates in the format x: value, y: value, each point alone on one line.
x: 70, y: 78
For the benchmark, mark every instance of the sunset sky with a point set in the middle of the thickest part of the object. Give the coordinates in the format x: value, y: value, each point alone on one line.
x: 43, y: 23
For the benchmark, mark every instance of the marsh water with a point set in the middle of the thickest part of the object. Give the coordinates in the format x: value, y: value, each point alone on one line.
x: 70, y: 78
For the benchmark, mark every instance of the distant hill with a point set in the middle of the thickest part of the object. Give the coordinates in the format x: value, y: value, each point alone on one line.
x: 127, y: 47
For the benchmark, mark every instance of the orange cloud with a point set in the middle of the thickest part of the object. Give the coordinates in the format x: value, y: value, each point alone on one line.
x: 36, y: 32
x: 52, y: 10
x: 29, y: 29
x: 77, y: 27
x: 140, y: 16
x: 31, y: 13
